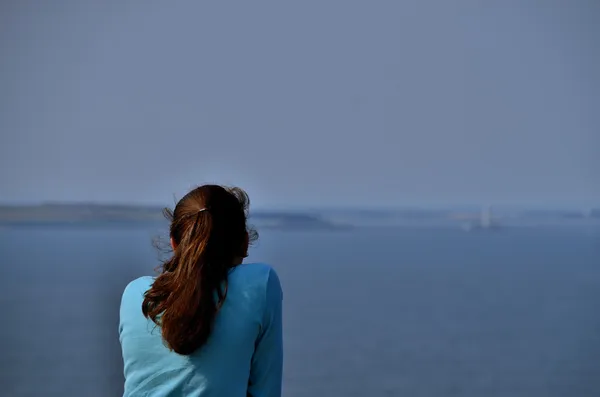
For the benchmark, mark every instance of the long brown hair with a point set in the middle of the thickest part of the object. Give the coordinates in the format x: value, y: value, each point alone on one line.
x: 209, y: 234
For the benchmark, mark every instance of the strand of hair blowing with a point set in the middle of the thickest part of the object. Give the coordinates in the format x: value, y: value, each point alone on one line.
x: 181, y: 300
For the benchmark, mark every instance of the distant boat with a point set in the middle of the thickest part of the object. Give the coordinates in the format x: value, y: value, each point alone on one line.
x: 486, y: 218
x: 485, y: 221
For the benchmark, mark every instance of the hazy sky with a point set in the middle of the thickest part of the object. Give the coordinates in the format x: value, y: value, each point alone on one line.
x: 302, y: 103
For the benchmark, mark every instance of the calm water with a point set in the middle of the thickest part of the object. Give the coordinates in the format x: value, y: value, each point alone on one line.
x: 373, y: 312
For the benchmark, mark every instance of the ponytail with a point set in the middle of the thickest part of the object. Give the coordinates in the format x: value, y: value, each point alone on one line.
x: 186, y: 297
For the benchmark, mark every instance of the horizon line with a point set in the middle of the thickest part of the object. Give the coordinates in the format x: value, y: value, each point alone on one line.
x: 312, y: 207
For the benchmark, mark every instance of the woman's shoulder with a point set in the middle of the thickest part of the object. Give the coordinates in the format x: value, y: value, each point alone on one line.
x: 138, y: 286
x: 257, y: 281
x: 260, y: 274
x: 254, y: 269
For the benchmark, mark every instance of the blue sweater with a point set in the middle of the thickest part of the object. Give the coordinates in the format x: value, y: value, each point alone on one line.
x: 243, y: 356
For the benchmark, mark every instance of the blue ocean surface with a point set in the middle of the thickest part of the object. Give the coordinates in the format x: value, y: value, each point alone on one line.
x: 368, y: 312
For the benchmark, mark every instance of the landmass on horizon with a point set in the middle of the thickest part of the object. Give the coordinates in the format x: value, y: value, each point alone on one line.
x: 340, y: 219
x: 93, y: 213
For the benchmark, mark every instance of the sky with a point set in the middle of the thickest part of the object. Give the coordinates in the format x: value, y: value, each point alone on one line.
x: 307, y: 103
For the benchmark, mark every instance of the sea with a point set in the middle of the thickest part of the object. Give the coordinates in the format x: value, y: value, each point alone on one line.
x: 373, y: 311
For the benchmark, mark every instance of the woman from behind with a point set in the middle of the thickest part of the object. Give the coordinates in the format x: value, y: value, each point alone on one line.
x: 208, y: 325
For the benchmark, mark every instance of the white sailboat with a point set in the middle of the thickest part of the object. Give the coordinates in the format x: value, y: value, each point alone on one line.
x: 485, y: 221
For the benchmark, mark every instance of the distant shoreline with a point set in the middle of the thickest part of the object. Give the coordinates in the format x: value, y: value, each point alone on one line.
x: 99, y: 214
x: 91, y: 214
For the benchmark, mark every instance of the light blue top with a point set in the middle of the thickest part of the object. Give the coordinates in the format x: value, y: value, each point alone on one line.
x: 243, y: 356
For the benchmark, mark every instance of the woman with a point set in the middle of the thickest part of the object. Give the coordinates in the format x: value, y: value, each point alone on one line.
x: 208, y: 325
